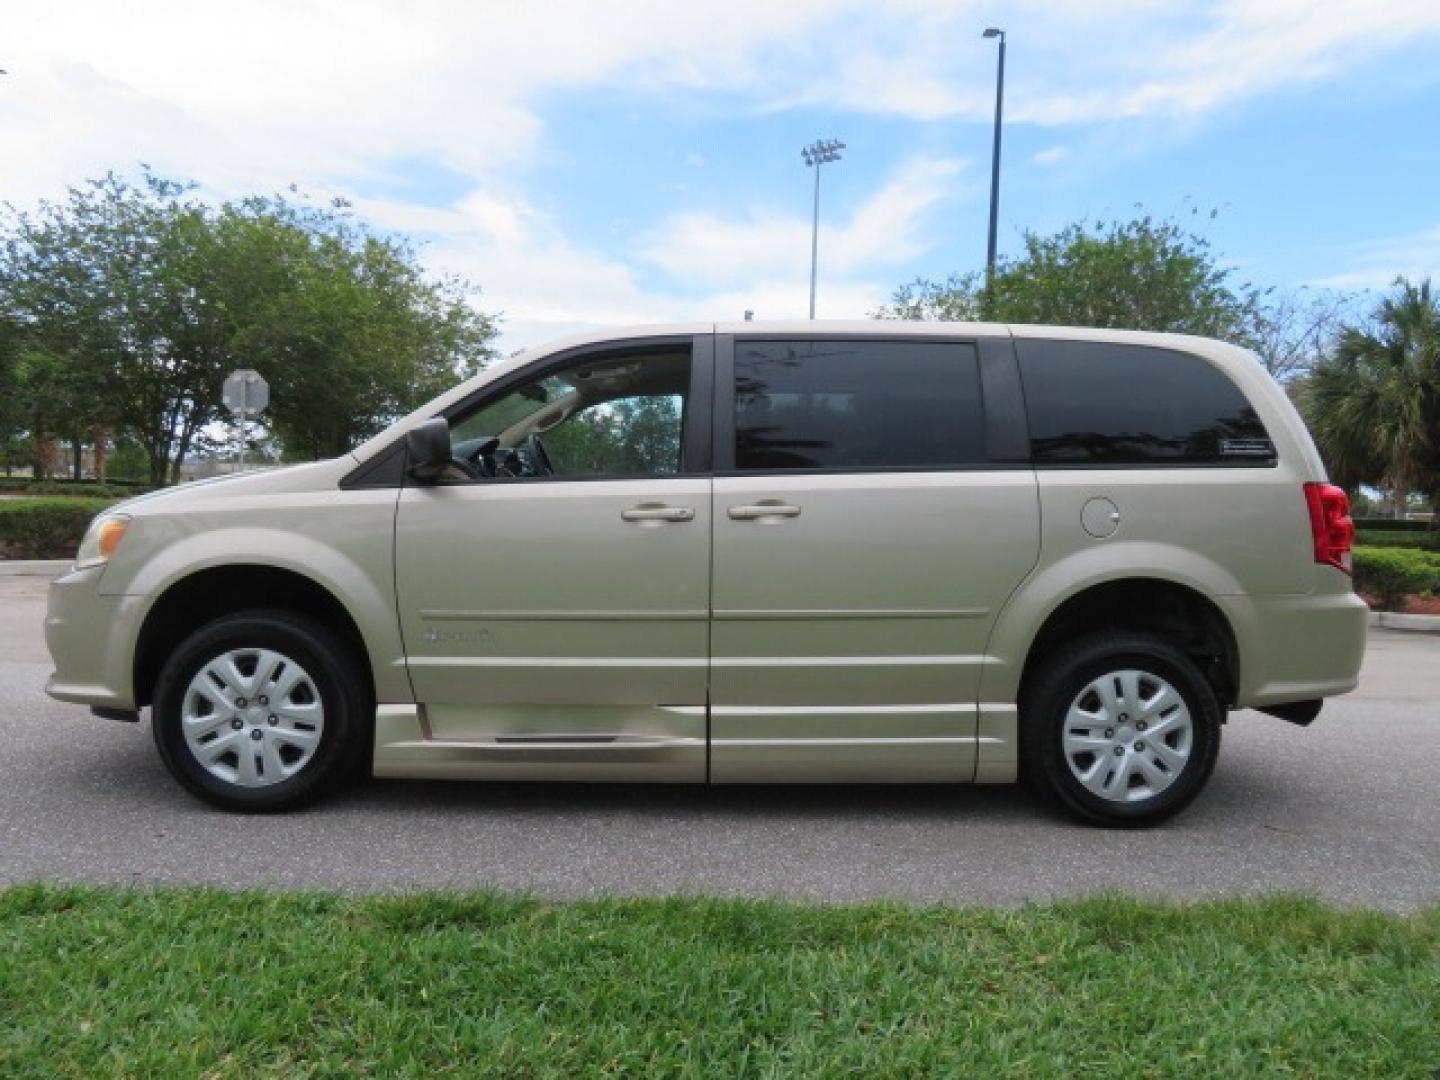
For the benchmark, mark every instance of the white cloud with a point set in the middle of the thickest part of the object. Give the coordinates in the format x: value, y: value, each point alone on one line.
x: 1051, y: 155
x: 529, y: 268
x: 885, y: 229
x: 339, y: 94
x: 1376, y: 264
x: 258, y: 94
x: 547, y: 286
x: 1091, y: 61
x: 717, y: 267
x: 1257, y: 45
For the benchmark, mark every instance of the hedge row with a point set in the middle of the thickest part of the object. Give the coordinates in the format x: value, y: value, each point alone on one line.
x: 47, y: 528
x: 117, y: 481
x: 1391, y: 573
x: 1391, y: 525
x: 1428, y: 540
x: 24, y: 485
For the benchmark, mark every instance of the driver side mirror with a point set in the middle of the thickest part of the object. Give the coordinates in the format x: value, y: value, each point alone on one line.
x: 427, y: 449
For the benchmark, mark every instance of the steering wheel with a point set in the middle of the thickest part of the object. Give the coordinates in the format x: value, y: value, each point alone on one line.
x: 475, y: 464
x: 471, y: 470
x: 539, y: 458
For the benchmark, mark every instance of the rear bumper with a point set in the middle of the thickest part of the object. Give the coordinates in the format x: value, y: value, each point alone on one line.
x: 1296, y: 648
x: 90, y: 637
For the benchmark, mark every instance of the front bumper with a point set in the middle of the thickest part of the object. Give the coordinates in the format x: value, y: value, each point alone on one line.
x: 91, y: 639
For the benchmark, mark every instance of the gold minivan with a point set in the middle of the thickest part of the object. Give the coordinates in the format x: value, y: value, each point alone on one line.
x: 746, y: 553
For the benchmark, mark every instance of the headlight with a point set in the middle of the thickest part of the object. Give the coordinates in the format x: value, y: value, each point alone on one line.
x: 101, y: 540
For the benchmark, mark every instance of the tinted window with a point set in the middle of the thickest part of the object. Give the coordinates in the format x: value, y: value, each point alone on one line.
x: 856, y: 405
x: 1128, y: 404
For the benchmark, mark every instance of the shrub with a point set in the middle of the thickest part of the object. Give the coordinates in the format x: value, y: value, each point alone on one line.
x: 81, y: 490
x: 1391, y: 525
x: 1428, y: 540
x: 84, y: 489
x: 1391, y: 574
x: 47, y: 528
x: 127, y: 462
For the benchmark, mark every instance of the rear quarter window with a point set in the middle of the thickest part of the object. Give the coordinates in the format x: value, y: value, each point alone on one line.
x: 1095, y: 403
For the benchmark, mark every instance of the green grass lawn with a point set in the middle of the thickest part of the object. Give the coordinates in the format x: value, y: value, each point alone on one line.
x: 99, y: 982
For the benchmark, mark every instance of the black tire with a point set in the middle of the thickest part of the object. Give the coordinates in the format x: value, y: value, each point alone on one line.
x: 1061, y: 678
x: 335, y: 674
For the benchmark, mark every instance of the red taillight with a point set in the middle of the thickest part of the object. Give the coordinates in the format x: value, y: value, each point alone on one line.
x: 1330, y: 524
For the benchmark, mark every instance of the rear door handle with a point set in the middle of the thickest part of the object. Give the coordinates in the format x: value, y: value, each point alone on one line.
x: 658, y: 513
x: 755, y: 511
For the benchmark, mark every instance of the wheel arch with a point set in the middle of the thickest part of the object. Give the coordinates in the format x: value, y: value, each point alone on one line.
x: 211, y: 592
x: 1138, y: 587
x: 1171, y: 610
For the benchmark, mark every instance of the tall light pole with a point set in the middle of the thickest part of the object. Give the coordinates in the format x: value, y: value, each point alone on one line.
x: 995, y: 32
x: 816, y: 154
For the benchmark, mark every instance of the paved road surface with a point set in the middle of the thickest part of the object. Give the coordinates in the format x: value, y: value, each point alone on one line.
x: 1349, y: 810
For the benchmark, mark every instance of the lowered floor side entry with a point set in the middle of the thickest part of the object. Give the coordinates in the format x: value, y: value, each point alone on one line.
x: 747, y: 553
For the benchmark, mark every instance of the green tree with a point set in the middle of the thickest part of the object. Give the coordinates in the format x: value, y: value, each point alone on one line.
x: 14, y: 441
x: 140, y: 298
x: 91, y: 280
x: 1142, y: 275
x: 1374, y: 404
x: 956, y: 299
x: 45, y: 396
x: 347, y: 327
x: 127, y: 461
x: 627, y: 436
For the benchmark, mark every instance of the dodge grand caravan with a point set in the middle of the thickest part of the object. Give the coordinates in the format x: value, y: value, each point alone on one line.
x: 746, y: 553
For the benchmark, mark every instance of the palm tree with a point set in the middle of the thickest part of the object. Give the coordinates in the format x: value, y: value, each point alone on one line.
x: 1374, y: 404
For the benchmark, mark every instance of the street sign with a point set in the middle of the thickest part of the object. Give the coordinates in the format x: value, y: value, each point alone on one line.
x: 246, y: 393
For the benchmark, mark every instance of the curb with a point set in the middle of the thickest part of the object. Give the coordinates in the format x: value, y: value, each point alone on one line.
x: 50, y: 568
x: 1393, y: 620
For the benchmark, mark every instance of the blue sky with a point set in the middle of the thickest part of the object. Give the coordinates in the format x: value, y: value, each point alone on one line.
x: 590, y: 164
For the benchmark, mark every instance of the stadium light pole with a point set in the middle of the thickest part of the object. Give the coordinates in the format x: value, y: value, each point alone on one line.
x: 995, y: 32
x: 817, y: 154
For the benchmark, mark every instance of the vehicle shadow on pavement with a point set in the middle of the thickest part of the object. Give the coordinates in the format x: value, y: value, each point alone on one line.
x: 1243, y: 789
x: 829, y: 801
x: 129, y: 769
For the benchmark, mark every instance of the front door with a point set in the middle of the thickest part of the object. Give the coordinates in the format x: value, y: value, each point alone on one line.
x: 554, y: 590
x: 865, y: 540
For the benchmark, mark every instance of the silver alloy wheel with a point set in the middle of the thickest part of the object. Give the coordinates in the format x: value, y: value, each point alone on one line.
x: 1128, y: 736
x: 252, y: 717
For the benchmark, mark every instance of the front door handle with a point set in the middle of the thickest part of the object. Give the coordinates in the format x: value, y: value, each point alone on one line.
x: 755, y: 511
x: 658, y: 513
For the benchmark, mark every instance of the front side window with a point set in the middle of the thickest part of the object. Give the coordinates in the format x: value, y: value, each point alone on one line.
x: 1105, y: 404
x: 856, y: 405
x: 612, y: 415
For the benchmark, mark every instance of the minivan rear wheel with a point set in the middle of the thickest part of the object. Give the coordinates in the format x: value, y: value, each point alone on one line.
x: 260, y: 711
x: 1120, y: 729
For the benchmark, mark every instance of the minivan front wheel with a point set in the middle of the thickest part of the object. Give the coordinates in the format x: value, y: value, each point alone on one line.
x: 260, y: 711
x: 1120, y: 729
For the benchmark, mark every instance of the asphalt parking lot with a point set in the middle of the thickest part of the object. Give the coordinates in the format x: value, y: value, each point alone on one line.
x: 1348, y: 810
